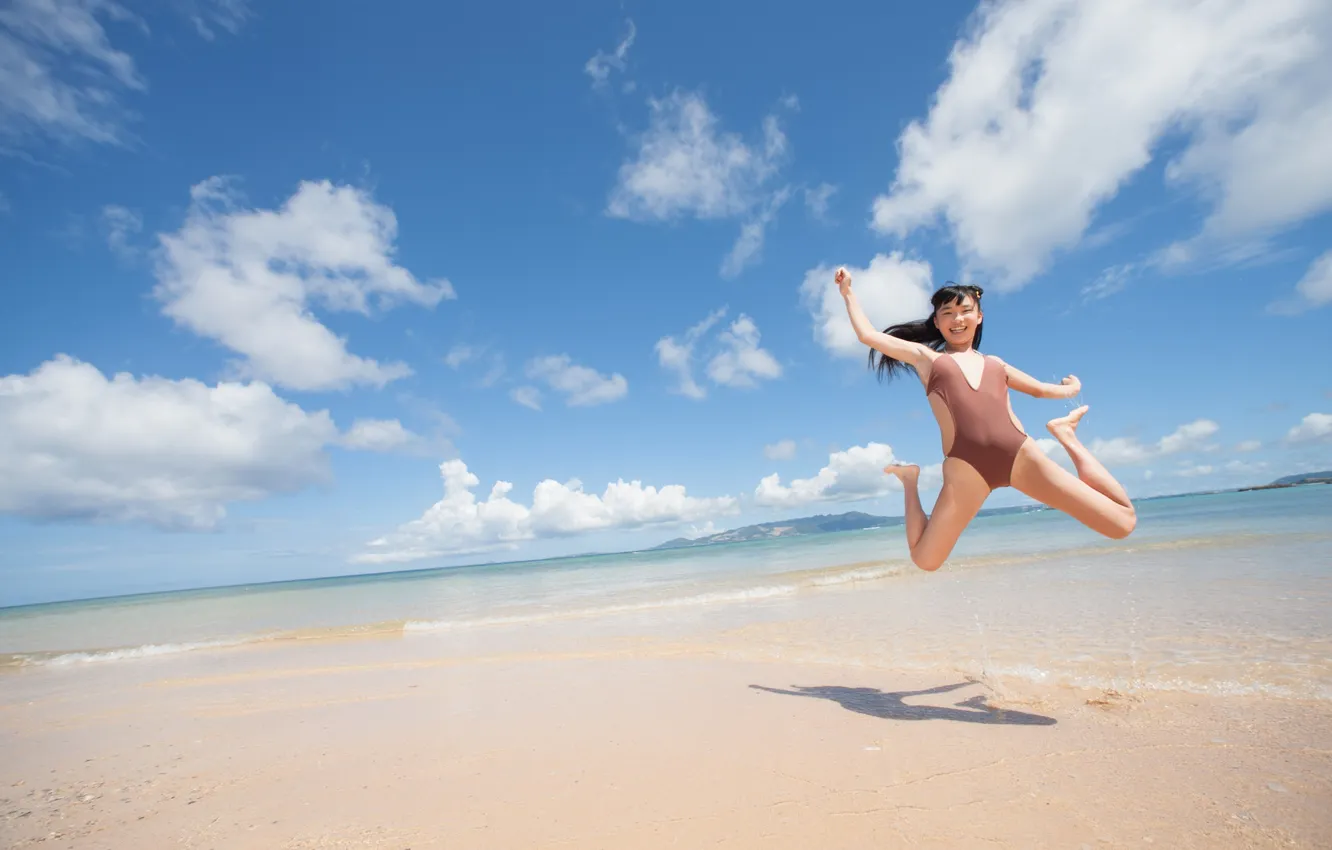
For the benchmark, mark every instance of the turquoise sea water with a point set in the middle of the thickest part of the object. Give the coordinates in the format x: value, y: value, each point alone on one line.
x: 1226, y: 592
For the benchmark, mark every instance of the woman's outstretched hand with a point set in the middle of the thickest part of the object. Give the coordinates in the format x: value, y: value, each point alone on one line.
x: 1072, y: 386
x: 843, y: 280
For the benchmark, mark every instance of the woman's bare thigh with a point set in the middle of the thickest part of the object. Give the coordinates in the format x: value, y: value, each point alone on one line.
x: 1047, y: 482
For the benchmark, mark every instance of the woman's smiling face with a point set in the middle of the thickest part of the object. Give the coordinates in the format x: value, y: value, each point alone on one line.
x: 958, y: 321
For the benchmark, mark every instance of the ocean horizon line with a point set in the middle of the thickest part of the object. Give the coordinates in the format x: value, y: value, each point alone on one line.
x: 1033, y: 507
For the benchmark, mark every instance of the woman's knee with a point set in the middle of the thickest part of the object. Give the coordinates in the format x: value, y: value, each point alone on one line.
x: 1122, y: 526
x: 928, y: 563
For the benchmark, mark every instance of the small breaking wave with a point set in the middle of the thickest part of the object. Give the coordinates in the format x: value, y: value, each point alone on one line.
x: 787, y: 584
x: 66, y: 658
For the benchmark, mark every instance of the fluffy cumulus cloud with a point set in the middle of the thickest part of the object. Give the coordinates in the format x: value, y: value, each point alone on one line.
x: 62, y: 78
x: 741, y: 362
x: 736, y: 357
x: 1314, y: 289
x: 600, y: 66
x: 1314, y: 428
x: 686, y: 165
x: 893, y: 289
x: 461, y: 524
x: 75, y: 444
x: 249, y: 278
x: 1051, y: 106
x: 581, y: 386
x: 677, y: 355
x: 378, y: 435
x: 1122, y: 451
x: 850, y: 475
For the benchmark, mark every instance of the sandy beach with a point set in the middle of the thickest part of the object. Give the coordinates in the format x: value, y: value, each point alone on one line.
x: 391, y: 743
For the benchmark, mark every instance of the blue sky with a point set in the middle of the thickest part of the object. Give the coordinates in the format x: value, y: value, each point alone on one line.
x: 279, y: 284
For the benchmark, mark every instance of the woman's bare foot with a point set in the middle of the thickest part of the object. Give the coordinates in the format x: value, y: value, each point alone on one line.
x: 1065, y: 427
x: 907, y: 473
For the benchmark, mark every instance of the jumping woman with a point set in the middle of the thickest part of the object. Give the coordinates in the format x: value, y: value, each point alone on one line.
x: 985, y: 446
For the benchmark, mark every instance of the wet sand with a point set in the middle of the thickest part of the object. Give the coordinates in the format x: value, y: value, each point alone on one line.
x: 634, y: 744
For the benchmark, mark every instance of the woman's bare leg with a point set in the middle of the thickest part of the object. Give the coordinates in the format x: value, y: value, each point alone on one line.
x: 909, y: 475
x: 1065, y: 430
x: 931, y: 539
x: 1050, y: 484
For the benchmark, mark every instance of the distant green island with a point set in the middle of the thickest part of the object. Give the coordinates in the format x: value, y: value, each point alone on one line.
x: 856, y: 521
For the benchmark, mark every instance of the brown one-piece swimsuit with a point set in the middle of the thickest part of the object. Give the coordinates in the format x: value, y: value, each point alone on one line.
x: 983, y: 432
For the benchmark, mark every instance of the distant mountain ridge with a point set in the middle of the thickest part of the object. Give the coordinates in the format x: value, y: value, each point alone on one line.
x: 1324, y: 477
x: 821, y: 524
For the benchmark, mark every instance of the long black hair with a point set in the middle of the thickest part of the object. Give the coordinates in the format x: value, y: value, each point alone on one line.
x: 925, y: 331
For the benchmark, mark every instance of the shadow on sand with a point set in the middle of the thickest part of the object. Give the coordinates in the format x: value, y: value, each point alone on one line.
x: 891, y: 706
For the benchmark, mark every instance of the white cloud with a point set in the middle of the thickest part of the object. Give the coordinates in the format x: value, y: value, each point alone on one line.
x: 677, y: 355
x: 816, y: 200
x: 1316, y: 427
x: 599, y: 67
x: 1123, y: 451
x: 495, y: 372
x: 526, y: 396
x: 685, y: 165
x: 377, y: 435
x: 737, y: 359
x: 931, y: 477
x: 707, y: 529
x: 206, y: 14
x: 581, y: 386
x: 1109, y: 282
x: 248, y: 279
x: 1240, y: 467
x: 459, y: 524
x: 1316, y: 285
x: 60, y: 75
x: 891, y: 290
x: 1053, y: 105
x: 1249, y: 446
x: 121, y: 225
x: 780, y: 450
x: 77, y: 445
x: 1194, y: 471
x: 1314, y: 289
x: 748, y: 247
x: 1187, y: 438
x: 741, y: 362
x: 458, y: 355
x: 854, y: 474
